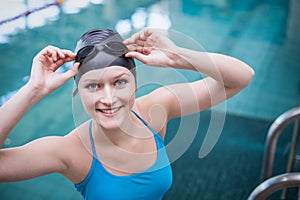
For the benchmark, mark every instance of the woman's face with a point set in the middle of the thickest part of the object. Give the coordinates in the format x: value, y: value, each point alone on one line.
x: 108, y: 95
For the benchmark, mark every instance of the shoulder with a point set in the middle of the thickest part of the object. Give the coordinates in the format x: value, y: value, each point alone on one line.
x: 76, y: 154
x: 150, y: 108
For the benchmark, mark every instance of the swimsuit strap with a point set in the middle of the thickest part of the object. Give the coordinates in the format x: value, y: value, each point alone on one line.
x: 92, y: 140
x: 137, y: 115
x: 144, y: 122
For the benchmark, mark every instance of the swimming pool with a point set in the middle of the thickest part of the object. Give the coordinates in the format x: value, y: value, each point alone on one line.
x: 262, y: 33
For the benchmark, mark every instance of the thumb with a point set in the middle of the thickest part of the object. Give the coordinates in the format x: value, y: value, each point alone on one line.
x: 141, y: 57
x: 71, y: 72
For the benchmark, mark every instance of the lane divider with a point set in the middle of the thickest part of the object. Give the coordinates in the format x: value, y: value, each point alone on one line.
x: 25, y: 14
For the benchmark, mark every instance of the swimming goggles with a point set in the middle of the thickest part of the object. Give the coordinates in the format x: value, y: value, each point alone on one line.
x: 113, y: 47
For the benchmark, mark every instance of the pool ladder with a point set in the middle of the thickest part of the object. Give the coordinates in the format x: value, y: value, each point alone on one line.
x: 289, y: 179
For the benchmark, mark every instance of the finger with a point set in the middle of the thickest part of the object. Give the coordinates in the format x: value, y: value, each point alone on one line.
x: 147, y: 50
x: 148, y: 32
x: 55, y: 53
x: 68, y: 53
x: 131, y: 47
x: 136, y: 45
x: 46, y: 52
x: 59, y: 52
x: 144, y: 34
x: 141, y: 57
x: 134, y: 38
x: 57, y: 64
x: 50, y: 52
x: 60, y: 62
x: 71, y: 72
x: 63, y: 57
x: 68, y: 59
x: 141, y: 43
x: 140, y: 49
x: 128, y: 41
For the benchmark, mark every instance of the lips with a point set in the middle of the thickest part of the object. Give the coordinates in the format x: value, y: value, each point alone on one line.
x: 109, y: 111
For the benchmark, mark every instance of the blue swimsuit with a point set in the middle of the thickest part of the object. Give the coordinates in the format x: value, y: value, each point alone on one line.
x: 150, y: 184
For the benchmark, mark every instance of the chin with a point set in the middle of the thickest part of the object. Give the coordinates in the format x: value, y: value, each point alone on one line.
x: 110, y: 122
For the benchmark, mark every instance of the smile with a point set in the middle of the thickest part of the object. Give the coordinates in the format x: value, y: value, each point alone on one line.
x: 109, y: 111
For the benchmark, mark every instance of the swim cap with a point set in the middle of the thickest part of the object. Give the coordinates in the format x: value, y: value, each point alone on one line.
x: 101, y: 48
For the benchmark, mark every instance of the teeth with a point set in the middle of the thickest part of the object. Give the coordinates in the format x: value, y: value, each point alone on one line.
x: 111, y: 111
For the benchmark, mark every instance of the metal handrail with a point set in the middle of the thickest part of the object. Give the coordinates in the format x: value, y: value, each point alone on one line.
x: 274, y: 184
x: 273, y: 134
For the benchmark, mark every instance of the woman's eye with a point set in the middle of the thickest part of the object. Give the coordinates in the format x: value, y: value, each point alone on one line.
x: 120, y: 82
x: 93, y: 86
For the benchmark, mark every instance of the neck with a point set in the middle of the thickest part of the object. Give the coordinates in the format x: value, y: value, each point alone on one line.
x: 130, y: 130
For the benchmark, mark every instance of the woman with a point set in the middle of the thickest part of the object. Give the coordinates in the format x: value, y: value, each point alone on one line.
x: 119, y: 153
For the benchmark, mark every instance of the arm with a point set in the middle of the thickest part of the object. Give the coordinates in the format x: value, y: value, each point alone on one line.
x: 43, y: 81
x: 18, y: 162
x: 37, y: 158
x: 226, y: 75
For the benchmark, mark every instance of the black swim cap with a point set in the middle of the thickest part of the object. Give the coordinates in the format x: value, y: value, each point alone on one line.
x: 100, y: 48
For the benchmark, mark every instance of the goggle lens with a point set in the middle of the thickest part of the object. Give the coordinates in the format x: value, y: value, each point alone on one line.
x: 113, y: 48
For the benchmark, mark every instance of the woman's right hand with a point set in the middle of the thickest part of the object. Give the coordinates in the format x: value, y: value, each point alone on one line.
x: 44, y: 76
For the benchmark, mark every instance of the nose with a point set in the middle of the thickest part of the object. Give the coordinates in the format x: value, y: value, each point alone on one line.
x: 107, y: 96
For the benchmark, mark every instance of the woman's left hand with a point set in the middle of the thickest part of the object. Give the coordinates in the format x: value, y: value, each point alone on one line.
x: 152, y: 47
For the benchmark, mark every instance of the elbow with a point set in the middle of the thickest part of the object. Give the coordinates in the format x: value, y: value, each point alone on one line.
x: 244, y: 75
x: 236, y: 73
x: 242, y: 79
x: 247, y: 77
x: 249, y: 74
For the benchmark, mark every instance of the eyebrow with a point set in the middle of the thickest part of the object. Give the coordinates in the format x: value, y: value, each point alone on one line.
x: 96, y: 80
x: 120, y: 75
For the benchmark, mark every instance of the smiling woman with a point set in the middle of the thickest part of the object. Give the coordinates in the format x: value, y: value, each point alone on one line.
x: 119, y: 152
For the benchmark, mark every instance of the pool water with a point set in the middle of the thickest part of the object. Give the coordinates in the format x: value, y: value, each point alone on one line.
x: 265, y: 34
